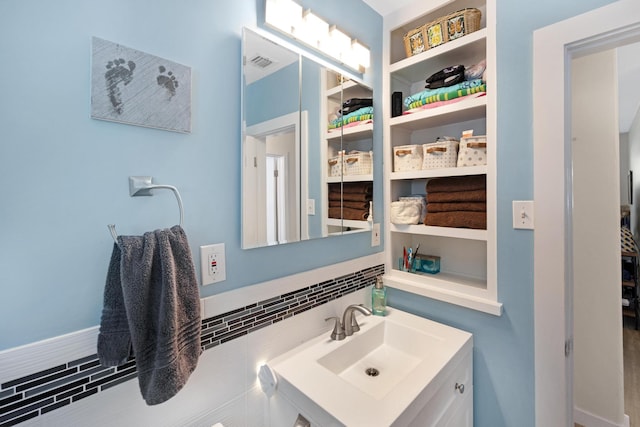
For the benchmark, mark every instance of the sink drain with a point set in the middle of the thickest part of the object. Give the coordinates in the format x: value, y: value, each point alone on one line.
x: 372, y: 372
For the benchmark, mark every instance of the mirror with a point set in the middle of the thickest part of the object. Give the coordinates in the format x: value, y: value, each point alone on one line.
x: 295, y: 162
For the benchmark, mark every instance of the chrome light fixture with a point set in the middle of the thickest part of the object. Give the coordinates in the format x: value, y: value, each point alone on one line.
x: 288, y: 17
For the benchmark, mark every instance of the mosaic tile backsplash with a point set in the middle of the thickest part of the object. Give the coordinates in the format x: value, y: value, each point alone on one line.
x: 41, y: 392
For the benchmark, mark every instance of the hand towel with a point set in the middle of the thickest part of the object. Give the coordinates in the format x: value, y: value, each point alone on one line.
x: 457, y: 183
x: 161, y: 300
x: 458, y: 196
x: 457, y: 206
x: 468, y: 219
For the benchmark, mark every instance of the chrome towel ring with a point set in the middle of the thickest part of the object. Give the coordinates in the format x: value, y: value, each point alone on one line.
x: 142, y: 186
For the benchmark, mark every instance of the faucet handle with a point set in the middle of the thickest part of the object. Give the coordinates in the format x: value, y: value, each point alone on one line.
x: 338, y: 331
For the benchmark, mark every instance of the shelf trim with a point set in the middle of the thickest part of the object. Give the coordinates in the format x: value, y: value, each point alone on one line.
x: 348, y: 223
x: 427, y: 230
x: 436, y: 173
x: 363, y: 131
x: 395, y: 280
x: 415, y: 119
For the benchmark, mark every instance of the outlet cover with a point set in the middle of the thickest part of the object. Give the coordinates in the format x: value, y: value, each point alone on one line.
x: 212, y: 264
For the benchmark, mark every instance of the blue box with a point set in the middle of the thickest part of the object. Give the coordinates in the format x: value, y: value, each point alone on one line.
x: 427, y: 264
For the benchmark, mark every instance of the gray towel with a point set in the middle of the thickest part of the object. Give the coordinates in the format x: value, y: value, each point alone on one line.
x: 156, y: 284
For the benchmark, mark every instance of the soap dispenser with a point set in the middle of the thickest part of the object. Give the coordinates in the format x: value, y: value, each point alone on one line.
x: 379, y: 298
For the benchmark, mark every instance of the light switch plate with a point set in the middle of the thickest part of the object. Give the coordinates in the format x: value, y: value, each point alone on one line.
x: 375, y: 234
x: 523, y: 214
x: 311, y: 206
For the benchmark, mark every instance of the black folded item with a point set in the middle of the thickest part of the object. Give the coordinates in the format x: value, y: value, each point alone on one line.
x: 446, y: 77
x: 353, y: 104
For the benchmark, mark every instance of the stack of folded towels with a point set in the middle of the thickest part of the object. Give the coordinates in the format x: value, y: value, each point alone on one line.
x: 351, y: 201
x: 459, y: 202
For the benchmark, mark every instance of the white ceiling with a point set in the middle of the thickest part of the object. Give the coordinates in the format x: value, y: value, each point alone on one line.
x: 628, y: 67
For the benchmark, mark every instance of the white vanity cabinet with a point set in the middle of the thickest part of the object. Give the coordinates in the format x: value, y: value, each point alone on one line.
x: 468, y: 256
x: 344, y: 140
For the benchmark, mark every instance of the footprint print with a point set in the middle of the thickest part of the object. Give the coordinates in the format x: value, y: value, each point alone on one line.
x: 116, y: 74
x: 168, y: 81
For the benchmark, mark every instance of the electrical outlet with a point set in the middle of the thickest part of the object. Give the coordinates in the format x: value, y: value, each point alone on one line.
x: 212, y: 264
x: 375, y: 234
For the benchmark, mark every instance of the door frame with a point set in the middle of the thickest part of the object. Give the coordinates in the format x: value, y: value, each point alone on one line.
x: 553, y: 49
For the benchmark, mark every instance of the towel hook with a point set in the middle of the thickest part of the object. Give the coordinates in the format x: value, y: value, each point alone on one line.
x: 142, y: 186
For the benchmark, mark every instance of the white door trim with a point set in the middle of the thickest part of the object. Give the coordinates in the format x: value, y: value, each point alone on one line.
x: 553, y: 48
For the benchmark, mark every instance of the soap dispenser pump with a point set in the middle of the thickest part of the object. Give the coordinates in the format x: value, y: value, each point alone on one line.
x: 379, y: 298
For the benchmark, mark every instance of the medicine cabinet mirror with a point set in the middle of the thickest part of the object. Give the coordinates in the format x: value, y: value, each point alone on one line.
x: 295, y: 148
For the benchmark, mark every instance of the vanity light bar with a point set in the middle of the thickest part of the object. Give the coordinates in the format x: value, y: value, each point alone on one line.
x: 289, y: 17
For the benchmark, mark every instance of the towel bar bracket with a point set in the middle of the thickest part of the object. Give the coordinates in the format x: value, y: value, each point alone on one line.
x: 140, y: 186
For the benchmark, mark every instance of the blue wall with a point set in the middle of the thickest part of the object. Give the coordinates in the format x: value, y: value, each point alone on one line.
x: 65, y: 175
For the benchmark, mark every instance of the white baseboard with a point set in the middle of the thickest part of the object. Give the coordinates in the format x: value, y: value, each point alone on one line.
x: 588, y: 419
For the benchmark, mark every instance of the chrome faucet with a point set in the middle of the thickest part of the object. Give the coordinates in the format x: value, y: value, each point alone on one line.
x: 349, y: 318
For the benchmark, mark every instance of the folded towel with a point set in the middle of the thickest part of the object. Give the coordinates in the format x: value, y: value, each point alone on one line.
x: 160, y: 295
x: 351, y: 197
x: 477, y: 220
x: 458, y: 196
x: 457, y: 183
x: 349, y: 204
x: 457, y: 206
x: 348, y: 213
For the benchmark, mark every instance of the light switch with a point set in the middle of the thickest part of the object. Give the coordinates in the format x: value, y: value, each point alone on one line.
x: 523, y: 214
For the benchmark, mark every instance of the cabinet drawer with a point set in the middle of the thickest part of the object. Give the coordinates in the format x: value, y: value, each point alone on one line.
x: 449, y: 400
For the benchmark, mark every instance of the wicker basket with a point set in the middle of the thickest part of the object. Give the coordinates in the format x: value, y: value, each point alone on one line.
x: 336, y: 165
x: 441, y: 30
x: 358, y: 163
x: 461, y: 23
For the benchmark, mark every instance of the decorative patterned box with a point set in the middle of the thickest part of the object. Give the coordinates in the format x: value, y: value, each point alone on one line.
x: 473, y: 151
x: 407, y: 158
x: 357, y: 163
x: 440, y: 154
x: 442, y: 30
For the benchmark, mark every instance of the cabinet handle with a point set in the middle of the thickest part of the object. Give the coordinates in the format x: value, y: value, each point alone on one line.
x: 432, y: 149
x: 460, y: 388
x: 403, y: 152
x: 477, y: 145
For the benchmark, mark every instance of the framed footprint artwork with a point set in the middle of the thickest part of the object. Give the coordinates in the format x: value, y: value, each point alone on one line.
x: 136, y: 88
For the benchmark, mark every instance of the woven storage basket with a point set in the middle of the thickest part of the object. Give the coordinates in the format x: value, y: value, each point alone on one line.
x: 440, y: 154
x: 415, y: 41
x: 442, y: 30
x: 358, y: 163
x: 473, y: 151
x: 407, y: 158
x: 336, y: 165
x: 461, y: 23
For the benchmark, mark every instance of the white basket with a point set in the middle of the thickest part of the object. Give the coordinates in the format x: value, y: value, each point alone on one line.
x: 407, y: 158
x: 473, y: 151
x: 336, y: 165
x: 357, y: 163
x: 440, y: 154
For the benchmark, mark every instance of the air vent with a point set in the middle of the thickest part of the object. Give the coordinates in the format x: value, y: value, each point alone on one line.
x: 261, y: 61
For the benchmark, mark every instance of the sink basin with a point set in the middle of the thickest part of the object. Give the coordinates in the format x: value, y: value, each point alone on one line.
x: 373, y: 377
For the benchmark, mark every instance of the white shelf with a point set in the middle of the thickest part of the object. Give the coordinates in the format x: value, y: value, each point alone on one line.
x: 352, y: 133
x: 460, y: 290
x: 350, y: 178
x: 458, y: 51
x: 468, y: 109
x: 469, y: 276
x: 427, y: 230
x: 436, y: 173
x: 348, y: 223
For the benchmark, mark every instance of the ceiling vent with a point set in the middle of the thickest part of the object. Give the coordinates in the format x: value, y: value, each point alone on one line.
x: 260, y: 61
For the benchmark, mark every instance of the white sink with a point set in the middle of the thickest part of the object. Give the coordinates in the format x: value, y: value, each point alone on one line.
x: 373, y: 376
